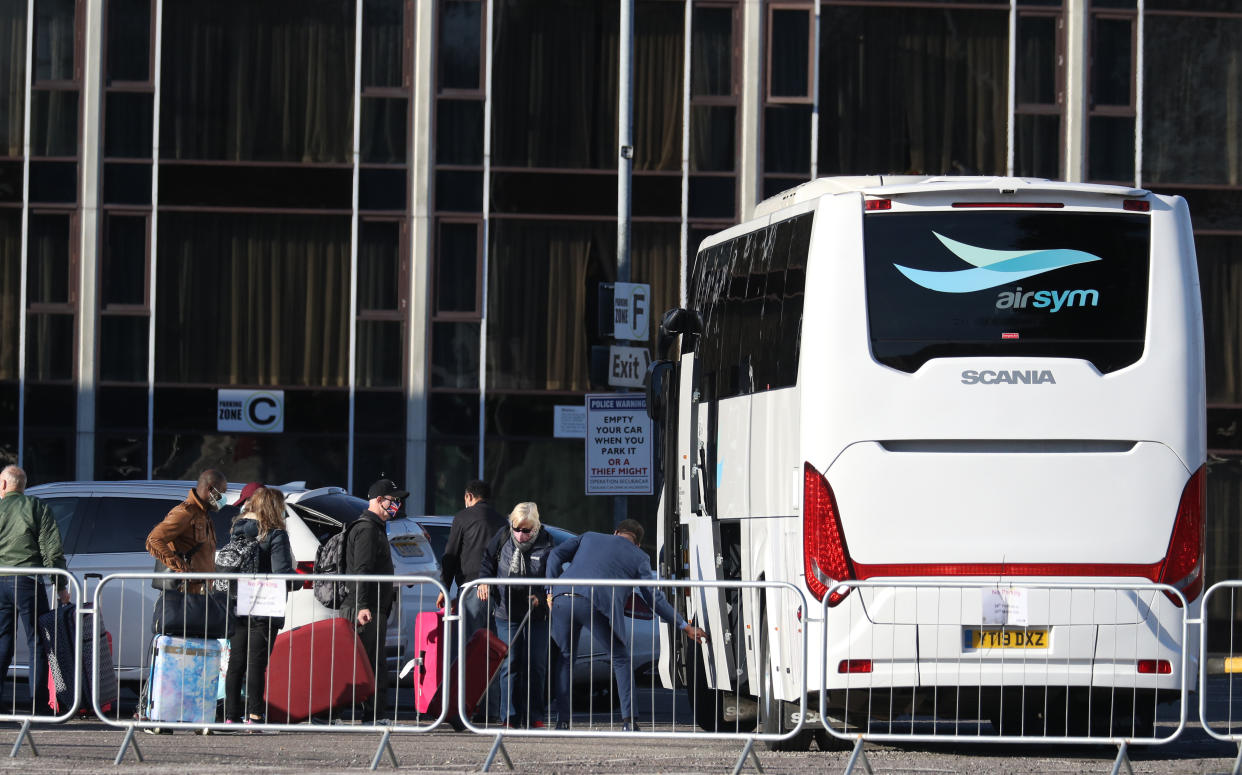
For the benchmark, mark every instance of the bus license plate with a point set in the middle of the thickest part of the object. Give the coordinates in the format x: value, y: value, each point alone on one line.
x: 1006, y: 639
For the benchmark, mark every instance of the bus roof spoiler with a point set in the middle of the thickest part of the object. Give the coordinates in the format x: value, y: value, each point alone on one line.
x: 897, y: 185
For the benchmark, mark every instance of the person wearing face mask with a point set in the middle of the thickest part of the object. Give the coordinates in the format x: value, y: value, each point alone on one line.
x: 520, y: 550
x: 185, y: 540
x: 367, y: 553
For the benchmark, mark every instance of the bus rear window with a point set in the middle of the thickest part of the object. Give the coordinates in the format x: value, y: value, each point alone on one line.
x: 988, y: 283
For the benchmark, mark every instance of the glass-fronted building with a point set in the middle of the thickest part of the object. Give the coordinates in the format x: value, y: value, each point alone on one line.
x: 399, y: 212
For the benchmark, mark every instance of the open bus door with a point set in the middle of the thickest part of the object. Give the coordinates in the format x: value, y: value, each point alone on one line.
x: 688, y: 542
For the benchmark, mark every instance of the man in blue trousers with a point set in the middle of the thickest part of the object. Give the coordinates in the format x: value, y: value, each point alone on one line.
x: 601, y: 610
x: 28, y: 539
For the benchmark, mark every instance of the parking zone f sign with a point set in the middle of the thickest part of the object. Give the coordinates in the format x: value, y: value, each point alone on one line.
x: 618, y: 444
x: 250, y: 411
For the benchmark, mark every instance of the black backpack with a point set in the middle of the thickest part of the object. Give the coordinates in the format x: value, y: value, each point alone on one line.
x: 330, y: 558
x: 239, y: 555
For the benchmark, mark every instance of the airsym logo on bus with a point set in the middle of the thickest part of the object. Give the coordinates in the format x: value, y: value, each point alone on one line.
x: 1003, y: 377
x: 993, y: 268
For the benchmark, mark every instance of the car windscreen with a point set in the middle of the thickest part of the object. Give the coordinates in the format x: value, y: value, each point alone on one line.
x: 439, y: 536
x: 1007, y: 282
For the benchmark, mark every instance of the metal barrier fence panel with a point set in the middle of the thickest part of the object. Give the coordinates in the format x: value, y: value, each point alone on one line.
x: 509, y: 664
x: 173, y: 650
x: 1005, y: 662
x: 1220, y: 660
x: 40, y: 648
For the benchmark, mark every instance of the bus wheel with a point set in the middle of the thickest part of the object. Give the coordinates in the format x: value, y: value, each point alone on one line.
x: 715, y: 710
x: 776, y: 716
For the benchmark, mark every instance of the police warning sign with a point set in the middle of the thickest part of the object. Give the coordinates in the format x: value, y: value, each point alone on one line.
x: 618, y: 445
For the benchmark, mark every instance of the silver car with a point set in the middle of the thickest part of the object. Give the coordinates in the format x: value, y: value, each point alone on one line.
x: 592, y: 664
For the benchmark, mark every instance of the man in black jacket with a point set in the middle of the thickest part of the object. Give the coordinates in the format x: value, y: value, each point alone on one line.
x: 367, y: 553
x: 472, y: 528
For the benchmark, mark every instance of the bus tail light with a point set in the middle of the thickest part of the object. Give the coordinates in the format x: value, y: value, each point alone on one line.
x: 825, y: 555
x: 1155, y: 667
x: 307, y: 567
x: 854, y: 666
x: 1183, y: 563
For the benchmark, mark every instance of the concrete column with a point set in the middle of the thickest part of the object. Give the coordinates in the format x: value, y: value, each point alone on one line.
x: 418, y: 375
x: 89, y: 228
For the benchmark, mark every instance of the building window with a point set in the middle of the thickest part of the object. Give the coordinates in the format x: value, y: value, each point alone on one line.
x: 914, y: 90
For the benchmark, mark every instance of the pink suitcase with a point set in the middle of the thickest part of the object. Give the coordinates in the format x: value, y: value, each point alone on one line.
x: 428, y: 667
x: 484, y: 655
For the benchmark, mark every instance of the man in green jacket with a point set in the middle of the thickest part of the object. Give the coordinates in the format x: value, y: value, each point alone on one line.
x: 28, y: 539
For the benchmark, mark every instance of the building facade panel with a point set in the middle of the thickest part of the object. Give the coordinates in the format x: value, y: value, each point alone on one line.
x: 408, y: 236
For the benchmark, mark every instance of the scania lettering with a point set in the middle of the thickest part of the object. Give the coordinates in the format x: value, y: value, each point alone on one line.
x: 821, y: 406
x: 988, y: 377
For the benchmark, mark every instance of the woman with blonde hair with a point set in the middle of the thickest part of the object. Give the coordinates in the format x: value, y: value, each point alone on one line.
x: 251, y: 645
x: 520, y: 550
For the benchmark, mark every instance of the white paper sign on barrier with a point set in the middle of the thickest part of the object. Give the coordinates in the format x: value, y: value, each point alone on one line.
x: 260, y: 597
x: 1007, y: 606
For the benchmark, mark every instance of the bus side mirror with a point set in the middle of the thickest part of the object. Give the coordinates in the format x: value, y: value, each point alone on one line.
x: 679, y: 321
x: 654, y: 381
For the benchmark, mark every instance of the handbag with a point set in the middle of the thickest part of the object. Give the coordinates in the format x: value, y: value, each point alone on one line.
x: 165, y: 582
x: 191, y: 615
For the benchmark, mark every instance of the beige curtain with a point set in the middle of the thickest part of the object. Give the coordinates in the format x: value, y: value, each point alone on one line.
x: 270, y: 81
x: 923, y: 90
x: 12, y: 76
x: 556, y: 78
x: 1220, y: 281
x: 253, y: 300
x: 543, y: 306
x: 1192, y: 114
x: 543, y: 296
x: 10, y: 289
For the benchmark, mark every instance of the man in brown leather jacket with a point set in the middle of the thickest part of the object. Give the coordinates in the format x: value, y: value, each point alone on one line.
x: 187, y: 531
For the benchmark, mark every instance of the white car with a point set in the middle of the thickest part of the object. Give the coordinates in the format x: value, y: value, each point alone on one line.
x: 641, y: 630
x: 104, y: 527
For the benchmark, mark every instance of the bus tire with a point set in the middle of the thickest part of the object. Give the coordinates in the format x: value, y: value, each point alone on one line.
x: 774, y: 714
x: 714, y: 710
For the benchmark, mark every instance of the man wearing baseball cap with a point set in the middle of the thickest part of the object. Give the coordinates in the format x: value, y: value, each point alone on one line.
x: 367, y: 553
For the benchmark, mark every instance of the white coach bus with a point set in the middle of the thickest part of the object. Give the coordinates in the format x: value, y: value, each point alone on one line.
x: 911, y: 378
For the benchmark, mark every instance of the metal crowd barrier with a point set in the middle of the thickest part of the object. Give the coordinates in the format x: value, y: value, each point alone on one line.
x: 23, y: 588
x: 661, y: 711
x: 129, y: 604
x: 1220, y: 665
x: 1010, y: 662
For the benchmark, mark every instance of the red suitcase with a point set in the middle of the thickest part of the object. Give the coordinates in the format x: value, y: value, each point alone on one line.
x: 484, y: 654
x: 316, y: 669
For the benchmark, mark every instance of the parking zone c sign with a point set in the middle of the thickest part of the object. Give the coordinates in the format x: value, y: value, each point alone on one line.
x: 250, y: 411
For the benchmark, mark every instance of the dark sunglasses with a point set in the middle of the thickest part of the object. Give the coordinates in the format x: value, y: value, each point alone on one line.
x: 523, y: 530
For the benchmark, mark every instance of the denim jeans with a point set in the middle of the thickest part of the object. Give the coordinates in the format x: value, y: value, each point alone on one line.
x: 571, y: 614
x: 24, y: 596
x: 523, y: 676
